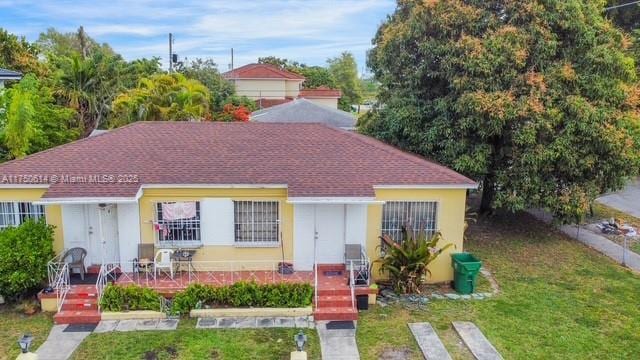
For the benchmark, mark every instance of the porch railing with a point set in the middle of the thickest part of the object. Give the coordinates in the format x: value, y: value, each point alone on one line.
x: 58, y: 276
x: 352, y: 285
x: 108, y: 272
x: 208, y: 272
x: 315, y: 285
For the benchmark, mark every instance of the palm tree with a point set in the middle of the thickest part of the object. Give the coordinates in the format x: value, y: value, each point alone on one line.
x: 77, y: 87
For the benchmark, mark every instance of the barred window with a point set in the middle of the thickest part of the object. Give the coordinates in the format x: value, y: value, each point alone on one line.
x: 256, y: 222
x: 177, y: 229
x: 15, y: 213
x: 418, y: 215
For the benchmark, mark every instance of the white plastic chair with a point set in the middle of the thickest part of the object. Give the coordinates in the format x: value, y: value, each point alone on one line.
x: 163, y: 261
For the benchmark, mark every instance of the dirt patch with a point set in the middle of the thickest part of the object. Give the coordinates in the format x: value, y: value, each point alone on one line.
x: 396, y: 354
x: 150, y: 355
x: 215, y: 354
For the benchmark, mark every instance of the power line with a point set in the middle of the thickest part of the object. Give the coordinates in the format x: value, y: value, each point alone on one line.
x: 621, y: 5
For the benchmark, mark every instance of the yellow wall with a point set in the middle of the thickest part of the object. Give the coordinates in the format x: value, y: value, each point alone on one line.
x: 450, y: 217
x: 222, y: 253
x: 53, y: 213
x: 330, y: 102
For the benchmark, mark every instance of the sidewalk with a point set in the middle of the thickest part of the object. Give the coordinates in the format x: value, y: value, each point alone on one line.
x: 595, y: 241
x: 60, y: 344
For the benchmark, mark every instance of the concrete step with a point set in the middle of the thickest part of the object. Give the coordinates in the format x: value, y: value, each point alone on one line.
x: 77, y: 317
x: 475, y: 340
x: 335, y: 313
x: 80, y: 304
x: 334, y: 291
x: 334, y: 301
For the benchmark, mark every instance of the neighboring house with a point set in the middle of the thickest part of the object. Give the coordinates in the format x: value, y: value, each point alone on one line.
x: 242, y: 196
x: 8, y: 75
x: 269, y: 85
x: 322, y: 96
x: 305, y: 111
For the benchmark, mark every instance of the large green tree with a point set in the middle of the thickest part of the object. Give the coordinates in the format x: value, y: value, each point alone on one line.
x: 17, y: 54
x: 345, y: 71
x: 537, y: 100
x: 30, y: 121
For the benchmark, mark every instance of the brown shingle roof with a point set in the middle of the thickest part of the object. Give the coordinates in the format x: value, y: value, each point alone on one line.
x: 261, y: 71
x: 311, y: 159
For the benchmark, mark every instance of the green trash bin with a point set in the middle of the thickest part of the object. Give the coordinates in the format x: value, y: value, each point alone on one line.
x: 465, y: 271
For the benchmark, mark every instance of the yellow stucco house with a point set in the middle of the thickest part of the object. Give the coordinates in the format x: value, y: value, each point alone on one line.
x: 250, y: 194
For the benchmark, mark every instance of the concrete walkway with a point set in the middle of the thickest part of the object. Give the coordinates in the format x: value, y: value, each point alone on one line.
x: 60, y: 345
x: 596, y: 242
x: 430, y: 344
x: 337, y: 344
x: 626, y: 200
x: 475, y: 340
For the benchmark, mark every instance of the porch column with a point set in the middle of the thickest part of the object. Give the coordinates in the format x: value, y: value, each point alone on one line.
x: 128, y: 234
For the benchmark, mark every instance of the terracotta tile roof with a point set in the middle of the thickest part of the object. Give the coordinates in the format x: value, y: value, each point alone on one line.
x: 313, y: 160
x: 322, y: 92
x: 261, y: 71
x: 267, y: 103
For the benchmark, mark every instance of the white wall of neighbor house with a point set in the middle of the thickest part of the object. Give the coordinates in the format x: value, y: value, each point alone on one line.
x: 128, y: 233
x: 330, y: 102
x: 292, y: 88
x: 256, y: 89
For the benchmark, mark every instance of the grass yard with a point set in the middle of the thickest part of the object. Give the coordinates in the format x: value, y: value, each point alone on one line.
x: 14, y: 324
x: 190, y: 343
x: 559, y: 300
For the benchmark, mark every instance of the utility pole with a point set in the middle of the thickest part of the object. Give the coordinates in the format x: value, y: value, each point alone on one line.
x: 231, y: 59
x: 170, y: 53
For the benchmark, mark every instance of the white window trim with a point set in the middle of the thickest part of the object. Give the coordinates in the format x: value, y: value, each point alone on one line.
x: 17, y: 214
x: 177, y: 243
x: 259, y: 244
x: 437, y: 203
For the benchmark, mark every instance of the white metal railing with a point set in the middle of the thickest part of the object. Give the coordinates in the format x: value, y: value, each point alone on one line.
x: 315, y: 284
x: 207, y: 272
x: 367, y: 265
x: 107, y: 272
x: 352, y: 285
x: 58, y: 276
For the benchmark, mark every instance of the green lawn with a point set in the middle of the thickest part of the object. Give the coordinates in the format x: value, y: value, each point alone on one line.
x: 13, y: 325
x: 559, y: 300
x: 190, y: 343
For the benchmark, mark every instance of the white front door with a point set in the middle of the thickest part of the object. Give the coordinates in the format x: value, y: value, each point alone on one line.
x: 103, y: 233
x: 319, y: 234
x: 330, y: 227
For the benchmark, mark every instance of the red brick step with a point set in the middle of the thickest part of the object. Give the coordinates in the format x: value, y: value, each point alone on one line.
x: 77, y: 317
x: 335, y: 313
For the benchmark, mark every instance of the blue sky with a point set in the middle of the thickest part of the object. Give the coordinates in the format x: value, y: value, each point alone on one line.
x: 309, y: 31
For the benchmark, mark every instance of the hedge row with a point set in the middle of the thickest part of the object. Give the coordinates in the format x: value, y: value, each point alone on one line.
x: 240, y: 294
x: 244, y: 294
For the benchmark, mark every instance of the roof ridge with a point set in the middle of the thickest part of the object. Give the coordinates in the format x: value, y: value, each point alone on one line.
x: 391, y: 149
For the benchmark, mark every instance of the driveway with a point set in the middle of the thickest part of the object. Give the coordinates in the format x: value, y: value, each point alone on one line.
x: 626, y: 200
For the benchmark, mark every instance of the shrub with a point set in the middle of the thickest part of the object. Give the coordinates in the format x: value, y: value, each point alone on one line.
x: 244, y: 294
x: 118, y: 298
x: 406, y: 260
x: 25, y: 251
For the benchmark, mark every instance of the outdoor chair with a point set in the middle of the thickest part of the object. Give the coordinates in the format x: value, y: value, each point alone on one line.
x: 354, y: 256
x: 76, y: 257
x: 163, y: 261
x: 144, y: 262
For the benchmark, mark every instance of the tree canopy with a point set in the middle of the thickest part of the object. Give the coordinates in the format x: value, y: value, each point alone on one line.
x: 537, y: 101
x: 345, y: 70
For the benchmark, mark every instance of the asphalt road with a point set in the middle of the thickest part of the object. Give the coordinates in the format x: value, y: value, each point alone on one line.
x: 626, y: 200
